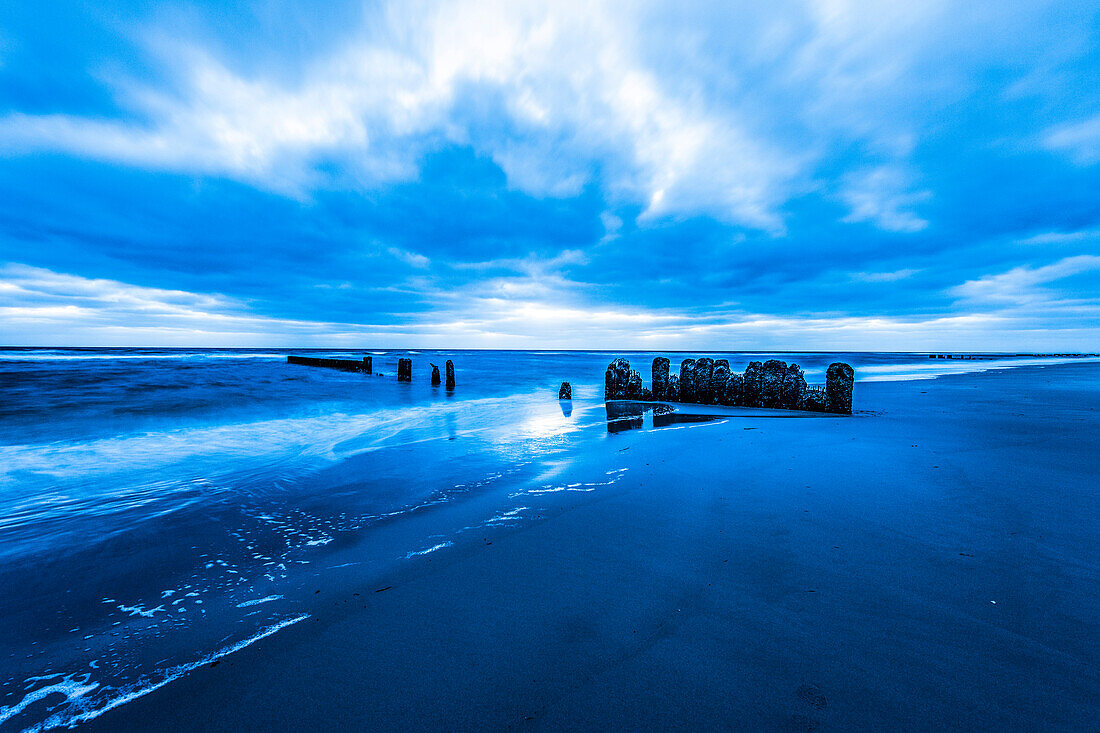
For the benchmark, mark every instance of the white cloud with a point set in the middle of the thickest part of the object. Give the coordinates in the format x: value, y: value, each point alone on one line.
x: 1079, y: 235
x: 581, y: 91
x: 572, y: 83
x: 884, y: 277
x: 39, y: 306
x: 858, y: 63
x: 611, y: 226
x: 412, y: 259
x: 1020, y: 285
x: 1078, y: 140
x: 726, y: 118
x: 884, y: 197
x: 36, y: 303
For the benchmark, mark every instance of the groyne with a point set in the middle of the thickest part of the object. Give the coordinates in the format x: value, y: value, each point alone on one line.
x: 771, y: 384
x: 365, y: 365
x: 987, y: 357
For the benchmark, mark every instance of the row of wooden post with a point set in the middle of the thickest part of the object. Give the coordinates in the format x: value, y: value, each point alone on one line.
x: 366, y: 366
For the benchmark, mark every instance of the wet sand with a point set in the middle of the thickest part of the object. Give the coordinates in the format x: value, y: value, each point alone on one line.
x: 927, y: 564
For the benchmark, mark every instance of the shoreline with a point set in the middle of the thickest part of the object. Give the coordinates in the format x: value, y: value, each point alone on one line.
x: 561, y: 599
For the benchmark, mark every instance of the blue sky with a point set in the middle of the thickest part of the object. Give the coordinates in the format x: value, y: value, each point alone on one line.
x: 797, y: 174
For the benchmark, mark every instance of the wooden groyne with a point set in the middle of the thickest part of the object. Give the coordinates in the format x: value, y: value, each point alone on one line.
x: 773, y: 384
x: 366, y: 365
x: 987, y: 357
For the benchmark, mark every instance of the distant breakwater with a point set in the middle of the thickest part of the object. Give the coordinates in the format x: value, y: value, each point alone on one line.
x: 772, y: 384
x: 988, y: 357
x: 366, y: 366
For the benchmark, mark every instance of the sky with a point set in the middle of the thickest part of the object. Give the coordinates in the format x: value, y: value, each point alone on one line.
x: 733, y: 175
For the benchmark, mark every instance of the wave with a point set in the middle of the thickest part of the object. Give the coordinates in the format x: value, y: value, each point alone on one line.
x: 945, y: 367
x: 197, y: 355
x: 78, y: 708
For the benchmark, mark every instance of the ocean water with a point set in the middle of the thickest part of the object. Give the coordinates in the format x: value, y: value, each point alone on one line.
x: 161, y: 508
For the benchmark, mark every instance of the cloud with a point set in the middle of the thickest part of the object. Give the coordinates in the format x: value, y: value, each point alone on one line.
x: 882, y: 196
x: 564, y: 74
x: 81, y: 311
x: 611, y: 224
x: 34, y: 301
x: 1080, y: 235
x: 410, y: 258
x: 1020, y: 285
x: 1080, y: 141
x: 884, y: 277
x: 561, y: 95
x: 421, y: 172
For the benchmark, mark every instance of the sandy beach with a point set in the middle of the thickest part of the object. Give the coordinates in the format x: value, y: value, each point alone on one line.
x: 926, y: 564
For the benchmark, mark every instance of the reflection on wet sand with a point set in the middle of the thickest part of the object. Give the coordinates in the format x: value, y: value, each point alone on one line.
x: 625, y: 415
x: 676, y: 418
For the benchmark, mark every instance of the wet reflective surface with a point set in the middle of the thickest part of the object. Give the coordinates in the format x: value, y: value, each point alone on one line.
x: 626, y: 415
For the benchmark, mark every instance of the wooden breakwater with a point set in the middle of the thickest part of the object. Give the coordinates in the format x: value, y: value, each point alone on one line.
x: 772, y: 384
x: 404, y: 370
x: 366, y: 365
x: 987, y: 357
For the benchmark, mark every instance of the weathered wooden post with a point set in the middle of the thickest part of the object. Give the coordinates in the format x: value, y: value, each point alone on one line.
x: 771, y: 384
x: 615, y: 380
x: 450, y: 374
x: 840, y: 378
x: 687, y: 380
x: 672, y: 392
x: 704, y: 370
x: 754, y: 383
x: 734, y: 392
x: 814, y: 400
x: 404, y: 370
x: 565, y: 392
x: 718, y: 378
x: 660, y: 378
x: 793, y: 388
x: 435, y: 375
x: 368, y: 364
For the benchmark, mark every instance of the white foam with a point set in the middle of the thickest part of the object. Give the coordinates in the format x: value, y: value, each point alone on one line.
x: 17, y: 356
x: 72, y: 687
x: 943, y: 367
x: 508, y: 516
x: 140, y: 610
x: 258, y: 601
x: 433, y: 548
x: 709, y: 423
x: 144, y: 687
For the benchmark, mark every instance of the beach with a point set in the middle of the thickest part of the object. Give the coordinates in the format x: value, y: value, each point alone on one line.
x: 925, y: 564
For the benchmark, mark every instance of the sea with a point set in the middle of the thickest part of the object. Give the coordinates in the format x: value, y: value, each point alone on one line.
x: 163, y: 508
